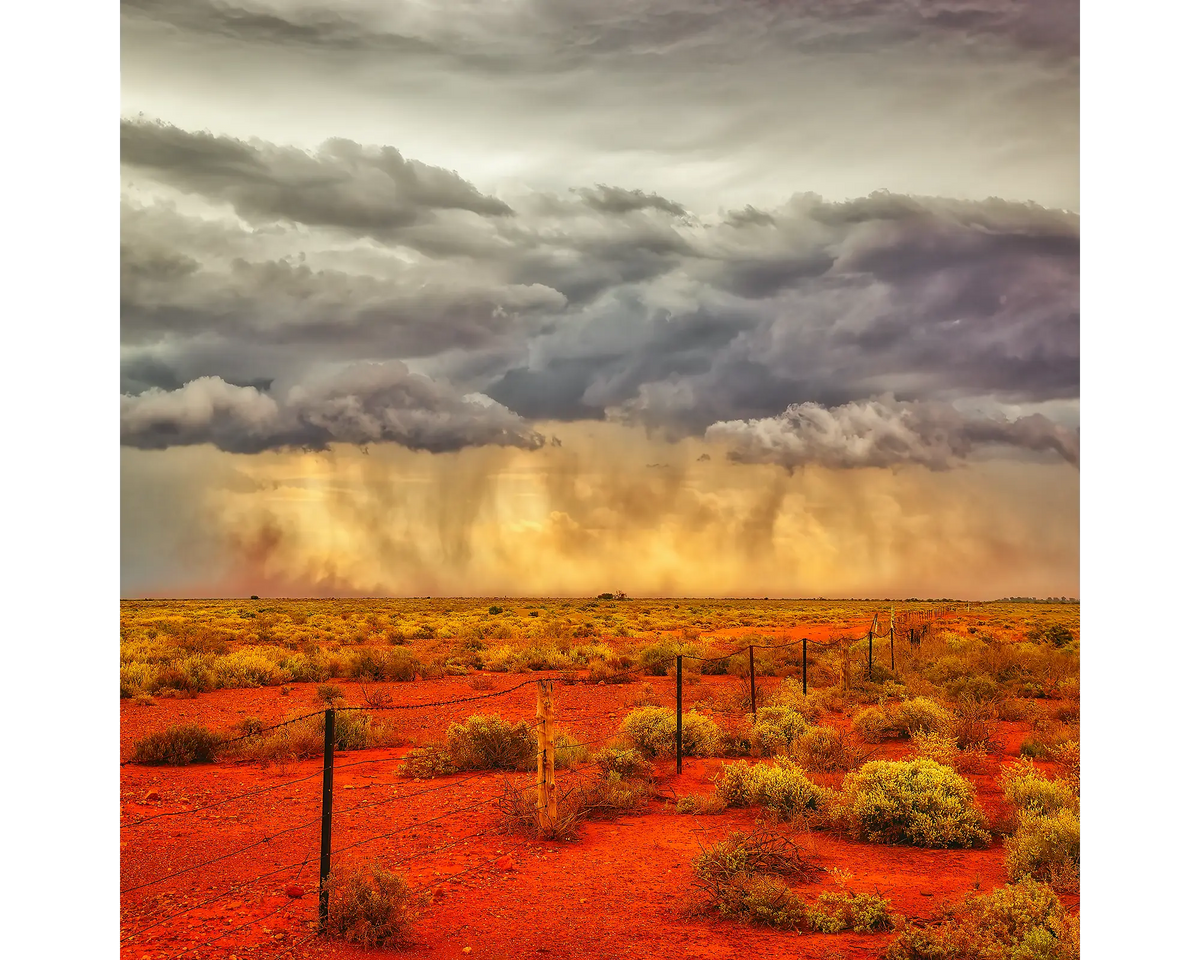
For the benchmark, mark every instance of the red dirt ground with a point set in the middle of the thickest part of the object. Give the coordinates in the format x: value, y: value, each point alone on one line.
x: 622, y: 890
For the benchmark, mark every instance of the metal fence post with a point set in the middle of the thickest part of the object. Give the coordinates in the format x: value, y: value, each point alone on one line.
x: 679, y: 714
x: 326, y: 822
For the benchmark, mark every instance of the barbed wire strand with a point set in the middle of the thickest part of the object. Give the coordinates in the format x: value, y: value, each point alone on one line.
x: 223, y: 856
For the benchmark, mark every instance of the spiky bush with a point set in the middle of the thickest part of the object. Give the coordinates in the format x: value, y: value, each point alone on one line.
x: 651, y: 730
x: 352, y: 730
x: 738, y: 875
x: 781, y: 787
x: 916, y: 802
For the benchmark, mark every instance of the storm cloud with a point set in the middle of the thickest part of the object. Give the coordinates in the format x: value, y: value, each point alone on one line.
x: 603, y: 302
x: 884, y: 433
x: 360, y: 405
x: 587, y: 276
x: 372, y: 191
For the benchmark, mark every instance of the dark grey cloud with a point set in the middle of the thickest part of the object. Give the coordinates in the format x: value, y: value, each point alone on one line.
x: 883, y: 432
x: 607, y: 302
x: 618, y: 200
x: 370, y: 190
x: 831, y: 303
x: 361, y: 404
x: 749, y: 216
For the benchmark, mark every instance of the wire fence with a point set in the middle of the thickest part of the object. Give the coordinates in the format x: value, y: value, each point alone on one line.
x: 910, y: 626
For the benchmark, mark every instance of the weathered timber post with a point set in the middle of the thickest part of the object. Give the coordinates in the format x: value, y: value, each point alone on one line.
x: 547, y: 790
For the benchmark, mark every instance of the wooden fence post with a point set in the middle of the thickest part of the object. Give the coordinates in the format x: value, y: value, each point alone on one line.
x: 326, y: 823
x: 679, y: 714
x: 804, y: 667
x: 547, y: 790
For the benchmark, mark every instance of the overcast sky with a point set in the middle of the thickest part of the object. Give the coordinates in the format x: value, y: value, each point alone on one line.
x: 817, y: 264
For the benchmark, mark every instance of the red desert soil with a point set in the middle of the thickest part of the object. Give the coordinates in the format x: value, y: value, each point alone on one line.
x: 622, y: 890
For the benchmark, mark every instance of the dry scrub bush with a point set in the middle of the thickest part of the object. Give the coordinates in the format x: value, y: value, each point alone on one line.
x: 522, y: 659
x: 775, y: 731
x: 860, y: 912
x: 1021, y: 921
x: 484, y: 742
x: 645, y: 697
x: 826, y: 749
x: 1045, y: 847
x: 1066, y: 755
x: 328, y: 693
x: 945, y: 750
x: 178, y: 746
x: 651, y: 730
x: 1047, y: 736
x: 491, y: 743
x: 616, y: 670
x: 610, y: 795
x: 1046, y: 843
x: 782, y: 788
x: 426, y: 762
x: 755, y: 898
x: 352, y: 730
x: 737, y: 875
x: 372, y: 906
x: 791, y: 694
x: 379, y: 664
x: 626, y: 764
x: 761, y: 851
x: 374, y: 698
x: 917, y: 802
x: 696, y: 805
x: 903, y: 719
x: 974, y: 725
x: 737, y: 878
x: 1030, y: 791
